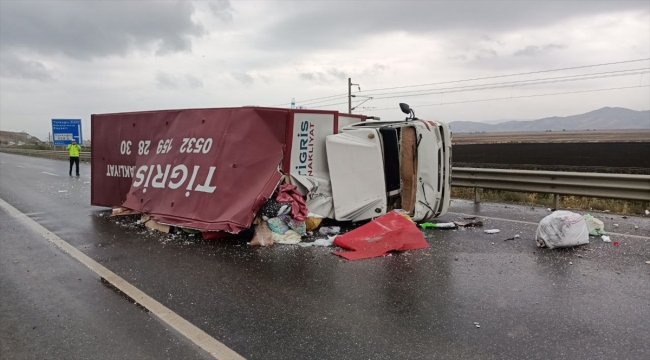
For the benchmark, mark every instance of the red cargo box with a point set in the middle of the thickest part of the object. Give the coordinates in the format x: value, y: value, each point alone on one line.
x: 208, y: 169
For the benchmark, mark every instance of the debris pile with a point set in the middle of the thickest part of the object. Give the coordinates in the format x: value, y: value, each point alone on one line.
x: 562, y: 229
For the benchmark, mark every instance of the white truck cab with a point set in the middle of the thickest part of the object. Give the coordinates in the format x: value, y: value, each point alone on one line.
x: 368, y: 168
x: 379, y: 166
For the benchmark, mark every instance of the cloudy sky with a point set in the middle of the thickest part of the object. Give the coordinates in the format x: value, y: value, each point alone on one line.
x: 70, y: 59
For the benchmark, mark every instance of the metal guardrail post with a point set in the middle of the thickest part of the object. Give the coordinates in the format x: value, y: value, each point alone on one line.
x: 477, y: 195
x: 556, y: 201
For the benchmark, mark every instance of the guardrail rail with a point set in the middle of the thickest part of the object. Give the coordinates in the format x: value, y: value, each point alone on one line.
x: 598, y: 185
x: 51, y: 154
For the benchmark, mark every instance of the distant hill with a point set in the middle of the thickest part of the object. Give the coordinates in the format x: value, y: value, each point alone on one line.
x: 7, y: 137
x: 601, y: 119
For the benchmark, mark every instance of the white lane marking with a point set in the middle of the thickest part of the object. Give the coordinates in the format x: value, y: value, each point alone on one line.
x: 534, y: 223
x: 20, y: 166
x: 47, y: 173
x: 173, y: 320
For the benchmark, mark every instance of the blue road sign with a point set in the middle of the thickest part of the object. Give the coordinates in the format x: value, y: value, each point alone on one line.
x: 64, y: 130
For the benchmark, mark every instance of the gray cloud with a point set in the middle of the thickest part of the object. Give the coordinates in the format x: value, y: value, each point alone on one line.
x: 334, y: 74
x: 221, y: 9
x: 193, y: 81
x: 319, y: 24
x: 310, y: 76
x: 166, y: 81
x: 323, y: 77
x: 338, y: 74
x: 457, y: 57
x: 87, y: 29
x: 17, y: 68
x: 486, y: 54
x: 374, y: 70
x: 243, y: 78
x: 538, y: 50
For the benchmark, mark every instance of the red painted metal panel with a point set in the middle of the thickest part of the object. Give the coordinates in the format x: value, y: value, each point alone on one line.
x: 188, y: 182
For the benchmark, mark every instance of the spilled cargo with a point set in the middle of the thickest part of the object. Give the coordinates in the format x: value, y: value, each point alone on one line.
x: 214, y: 169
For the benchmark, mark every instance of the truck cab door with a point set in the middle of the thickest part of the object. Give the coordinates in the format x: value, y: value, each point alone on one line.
x: 356, y: 168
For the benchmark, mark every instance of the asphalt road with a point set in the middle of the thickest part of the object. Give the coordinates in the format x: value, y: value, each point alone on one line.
x: 287, y: 302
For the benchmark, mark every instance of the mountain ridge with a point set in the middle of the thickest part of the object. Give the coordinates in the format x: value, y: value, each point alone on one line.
x: 606, y: 118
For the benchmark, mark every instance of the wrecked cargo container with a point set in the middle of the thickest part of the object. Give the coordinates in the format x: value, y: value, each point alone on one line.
x: 213, y: 169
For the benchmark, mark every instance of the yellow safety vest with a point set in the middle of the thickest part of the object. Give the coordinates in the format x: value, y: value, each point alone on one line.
x: 74, y: 150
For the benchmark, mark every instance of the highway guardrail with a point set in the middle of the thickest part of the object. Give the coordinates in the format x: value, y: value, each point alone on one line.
x: 598, y: 185
x: 51, y: 154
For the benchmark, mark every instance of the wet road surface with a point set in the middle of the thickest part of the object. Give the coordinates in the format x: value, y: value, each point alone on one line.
x: 288, y: 302
x: 52, y: 307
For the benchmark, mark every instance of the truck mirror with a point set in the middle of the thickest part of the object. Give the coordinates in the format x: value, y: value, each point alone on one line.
x: 406, y: 109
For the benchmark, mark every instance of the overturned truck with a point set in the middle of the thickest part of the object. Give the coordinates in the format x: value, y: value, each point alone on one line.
x: 213, y: 169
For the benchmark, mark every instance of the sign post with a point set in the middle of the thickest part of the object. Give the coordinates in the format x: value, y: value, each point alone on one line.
x: 66, y: 130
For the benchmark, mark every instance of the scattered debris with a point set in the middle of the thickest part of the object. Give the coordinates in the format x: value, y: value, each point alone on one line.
x: 469, y: 223
x: 616, y: 243
x: 570, y: 262
x: 329, y: 230
x: 492, y: 231
x: 512, y: 238
x: 595, y: 226
x: 615, y: 225
x: 283, y: 223
x: 153, y: 224
x: 647, y: 212
x: 376, y: 238
x: 647, y: 262
x: 289, y: 194
x: 605, y: 238
x: 288, y: 238
x: 636, y: 227
x: 263, y: 235
x: 313, y: 222
x: 120, y: 211
x: 429, y: 225
x: 63, y: 191
x: 470, y: 217
x: 625, y: 217
x: 549, y: 210
x: 562, y: 229
x: 320, y: 242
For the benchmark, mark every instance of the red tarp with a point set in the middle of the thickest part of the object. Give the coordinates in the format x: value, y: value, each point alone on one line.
x: 188, y: 182
x: 387, y: 233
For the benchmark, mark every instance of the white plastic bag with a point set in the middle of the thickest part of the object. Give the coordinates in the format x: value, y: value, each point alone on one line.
x: 562, y: 229
x: 595, y: 226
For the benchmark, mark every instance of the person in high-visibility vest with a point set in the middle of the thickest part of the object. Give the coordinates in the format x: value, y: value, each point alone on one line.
x: 73, y: 149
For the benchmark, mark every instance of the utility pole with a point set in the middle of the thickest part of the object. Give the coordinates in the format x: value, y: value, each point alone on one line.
x: 350, y: 94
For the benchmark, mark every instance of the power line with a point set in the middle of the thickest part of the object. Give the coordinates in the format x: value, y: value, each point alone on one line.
x: 516, y: 83
x: 507, y: 85
x: 513, y: 84
x: 305, y: 101
x: 326, y: 105
x: 521, y: 97
x: 320, y: 101
x: 509, y: 75
x: 331, y: 97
